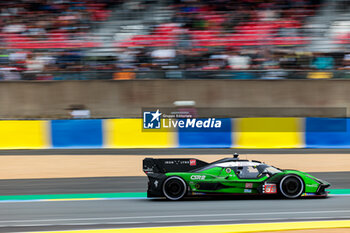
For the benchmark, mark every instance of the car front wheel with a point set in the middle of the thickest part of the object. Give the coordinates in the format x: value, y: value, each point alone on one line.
x: 291, y: 186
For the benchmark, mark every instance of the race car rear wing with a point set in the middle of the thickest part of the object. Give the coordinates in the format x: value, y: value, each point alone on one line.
x: 151, y: 165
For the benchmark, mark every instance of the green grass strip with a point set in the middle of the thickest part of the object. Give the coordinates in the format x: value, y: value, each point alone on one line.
x: 103, y: 195
x: 339, y: 191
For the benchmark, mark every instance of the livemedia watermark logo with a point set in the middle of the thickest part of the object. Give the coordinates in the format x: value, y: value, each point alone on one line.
x: 174, y: 120
x: 256, y: 120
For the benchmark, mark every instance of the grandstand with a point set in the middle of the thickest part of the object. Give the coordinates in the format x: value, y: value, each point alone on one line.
x: 116, y: 39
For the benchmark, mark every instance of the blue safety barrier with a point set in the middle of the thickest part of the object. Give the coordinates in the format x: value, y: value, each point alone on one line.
x: 206, y: 138
x: 76, y: 133
x: 327, y: 133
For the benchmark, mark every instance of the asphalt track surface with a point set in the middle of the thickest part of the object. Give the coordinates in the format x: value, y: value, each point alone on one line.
x: 125, y: 213
x: 39, y: 216
x: 338, y: 180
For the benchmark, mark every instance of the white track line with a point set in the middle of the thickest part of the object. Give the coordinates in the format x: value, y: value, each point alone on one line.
x: 114, y: 198
x: 219, y: 221
x: 177, y: 216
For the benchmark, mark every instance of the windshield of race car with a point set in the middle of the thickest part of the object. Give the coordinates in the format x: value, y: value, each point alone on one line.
x: 264, y: 168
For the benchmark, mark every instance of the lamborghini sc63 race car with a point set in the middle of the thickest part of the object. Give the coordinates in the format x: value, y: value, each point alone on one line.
x: 177, y: 178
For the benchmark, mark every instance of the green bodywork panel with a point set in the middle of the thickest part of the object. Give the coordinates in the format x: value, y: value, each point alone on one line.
x: 228, y: 181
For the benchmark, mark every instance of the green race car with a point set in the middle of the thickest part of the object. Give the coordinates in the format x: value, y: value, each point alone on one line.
x: 177, y: 178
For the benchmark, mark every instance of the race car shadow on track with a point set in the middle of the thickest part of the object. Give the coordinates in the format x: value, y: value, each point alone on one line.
x: 235, y: 197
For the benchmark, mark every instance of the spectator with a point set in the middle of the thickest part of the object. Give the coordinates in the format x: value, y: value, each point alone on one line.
x: 274, y: 73
x: 163, y: 56
x: 346, y: 62
x: 125, y: 74
x: 9, y: 73
x: 126, y: 58
x: 323, y: 62
x: 239, y: 62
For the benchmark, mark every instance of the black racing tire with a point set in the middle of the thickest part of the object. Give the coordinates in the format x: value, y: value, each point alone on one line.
x: 174, y: 188
x: 291, y: 186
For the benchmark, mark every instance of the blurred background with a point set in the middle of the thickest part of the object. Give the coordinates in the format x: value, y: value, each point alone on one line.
x: 76, y: 76
x: 174, y: 39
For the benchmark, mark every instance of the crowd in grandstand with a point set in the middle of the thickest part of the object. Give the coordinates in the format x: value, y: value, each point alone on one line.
x: 42, y: 19
x: 44, y: 38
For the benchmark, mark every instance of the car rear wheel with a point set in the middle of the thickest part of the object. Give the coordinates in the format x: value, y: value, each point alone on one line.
x: 174, y: 188
x: 291, y: 186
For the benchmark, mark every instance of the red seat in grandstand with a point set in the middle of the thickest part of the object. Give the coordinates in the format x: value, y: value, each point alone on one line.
x: 343, y: 39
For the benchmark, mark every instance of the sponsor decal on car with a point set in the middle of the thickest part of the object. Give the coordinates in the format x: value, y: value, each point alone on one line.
x: 309, y: 194
x: 156, y: 183
x: 270, y: 189
x: 248, y: 185
x: 197, y: 177
x: 247, y: 190
x: 312, y: 185
x: 193, y: 162
x: 177, y: 162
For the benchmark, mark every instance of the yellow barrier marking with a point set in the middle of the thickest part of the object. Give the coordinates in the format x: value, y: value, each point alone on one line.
x: 268, y: 133
x: 235, y: 228
x: 128, y: 133
x: 28, y: 134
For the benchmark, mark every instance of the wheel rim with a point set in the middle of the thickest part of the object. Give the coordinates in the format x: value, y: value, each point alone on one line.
x: 174, y: 188
x: 291, y: 186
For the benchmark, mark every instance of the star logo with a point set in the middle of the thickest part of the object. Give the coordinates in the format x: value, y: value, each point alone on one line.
x: 156, y: 115
x: 151, y: 120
